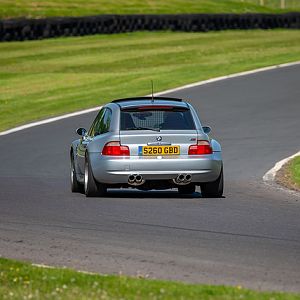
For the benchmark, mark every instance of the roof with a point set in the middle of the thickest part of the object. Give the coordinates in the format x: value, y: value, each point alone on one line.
x: 140, y: 101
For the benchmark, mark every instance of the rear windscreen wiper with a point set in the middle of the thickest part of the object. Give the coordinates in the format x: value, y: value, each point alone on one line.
x: 145, y: 128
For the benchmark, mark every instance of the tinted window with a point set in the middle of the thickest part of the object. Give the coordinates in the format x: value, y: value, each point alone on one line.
x: 97, y: 120
x: 104, y: 123
x: 169, y: 119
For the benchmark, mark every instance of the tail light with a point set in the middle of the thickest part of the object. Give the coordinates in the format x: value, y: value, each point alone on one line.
x: 115, y: 149
x: 202, y: 147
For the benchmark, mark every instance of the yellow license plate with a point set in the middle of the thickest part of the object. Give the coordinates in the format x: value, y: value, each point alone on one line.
x: 159, y: 150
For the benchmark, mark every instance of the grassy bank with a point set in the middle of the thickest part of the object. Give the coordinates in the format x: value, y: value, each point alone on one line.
x: 289, y: 175
x: 39, y: 79
x: 49, y: 8
x: 23, y: 281
x: 295, y: 170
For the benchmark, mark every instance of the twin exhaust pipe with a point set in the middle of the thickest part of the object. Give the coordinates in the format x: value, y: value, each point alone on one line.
x: 181, y: 179
x: 135, y: 179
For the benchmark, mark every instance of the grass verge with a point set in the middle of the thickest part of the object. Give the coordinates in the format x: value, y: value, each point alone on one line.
x: 23, y: 281
x: 289, y: 174
x: 44, y: 78
x: 50, y: 8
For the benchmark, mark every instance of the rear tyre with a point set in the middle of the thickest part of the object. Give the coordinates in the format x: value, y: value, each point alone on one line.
x: 186, y: 189
x: 213, y: 189
x: 91, y: 187
x: 76, y: 187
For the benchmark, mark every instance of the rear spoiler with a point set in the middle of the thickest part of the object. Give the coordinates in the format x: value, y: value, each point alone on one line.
x: 147, y: 98
x: 154, y: 107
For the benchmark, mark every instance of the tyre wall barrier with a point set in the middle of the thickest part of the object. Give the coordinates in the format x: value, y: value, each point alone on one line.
x: 33, y: 29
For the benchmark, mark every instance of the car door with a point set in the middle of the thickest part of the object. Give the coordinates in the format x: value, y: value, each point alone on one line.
x: 85, y: 140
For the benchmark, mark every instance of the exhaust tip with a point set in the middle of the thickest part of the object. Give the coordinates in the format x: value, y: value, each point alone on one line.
x: 131, y: 178
x: 188, y: 177
x: 180, y: 177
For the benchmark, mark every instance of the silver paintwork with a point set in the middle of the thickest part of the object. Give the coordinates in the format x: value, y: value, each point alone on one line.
x: 116, y: 170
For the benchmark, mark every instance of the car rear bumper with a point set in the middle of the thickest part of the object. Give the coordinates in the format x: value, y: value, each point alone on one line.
x: 111, y: 170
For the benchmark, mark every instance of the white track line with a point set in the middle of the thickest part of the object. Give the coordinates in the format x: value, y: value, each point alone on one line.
x: 46, y: 121
x: 42, y: 266
x: 228, y: 77
x: 52, y: 267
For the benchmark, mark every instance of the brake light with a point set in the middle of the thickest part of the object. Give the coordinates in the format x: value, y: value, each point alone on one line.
x: 115, y: 149
x: 153, y: 107
x: 202, y: 147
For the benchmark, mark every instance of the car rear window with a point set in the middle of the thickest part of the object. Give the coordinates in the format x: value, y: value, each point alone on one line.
x: 169, y: 118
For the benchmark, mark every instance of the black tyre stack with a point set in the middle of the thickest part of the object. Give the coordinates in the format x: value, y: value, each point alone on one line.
x: 32, y: 29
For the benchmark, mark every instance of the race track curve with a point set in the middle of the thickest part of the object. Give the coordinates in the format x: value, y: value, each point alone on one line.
x: 251, y: 237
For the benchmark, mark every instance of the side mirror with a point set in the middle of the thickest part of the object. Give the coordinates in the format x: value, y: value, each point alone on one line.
x: 81, y: 131
x: 206, y: 129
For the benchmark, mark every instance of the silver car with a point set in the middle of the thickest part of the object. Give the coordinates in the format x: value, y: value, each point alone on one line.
x: 146, y: 143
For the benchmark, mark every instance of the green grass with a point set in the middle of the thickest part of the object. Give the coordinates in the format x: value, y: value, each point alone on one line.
x: 24, y: 281
x: 292, y: 173
x: 294, y: 169
x: 44, y: 78
x: 289, y: 175
x: 46, y: 8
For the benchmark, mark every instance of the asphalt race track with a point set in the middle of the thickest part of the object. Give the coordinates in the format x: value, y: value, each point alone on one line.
x: 251, y: 237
